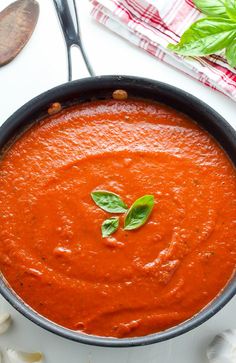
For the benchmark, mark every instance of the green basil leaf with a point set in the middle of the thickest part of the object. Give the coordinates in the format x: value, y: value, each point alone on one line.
x: 230, y: 6
x: 108, y: 201
x: 139, y: 212
x: 211, y: 7
x: 206, y: 36
x: 231, y: 54
x: 208, y: 27
x: 110, y: 226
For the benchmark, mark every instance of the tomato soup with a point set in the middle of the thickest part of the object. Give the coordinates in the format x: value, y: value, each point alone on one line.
x: 133, y: 282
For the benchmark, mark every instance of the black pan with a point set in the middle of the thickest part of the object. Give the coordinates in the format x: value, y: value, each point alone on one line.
x: 100, y: 88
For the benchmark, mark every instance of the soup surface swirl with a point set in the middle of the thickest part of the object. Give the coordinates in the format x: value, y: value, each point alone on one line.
x: 132, y: 283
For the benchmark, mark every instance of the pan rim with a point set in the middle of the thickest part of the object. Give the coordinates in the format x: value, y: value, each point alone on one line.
x: 115, y: 81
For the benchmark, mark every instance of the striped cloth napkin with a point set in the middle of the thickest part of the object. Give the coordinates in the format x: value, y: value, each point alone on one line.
x: 153, y: 24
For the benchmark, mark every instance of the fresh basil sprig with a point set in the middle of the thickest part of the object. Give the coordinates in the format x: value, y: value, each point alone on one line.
x: 230, y: 6
x: 231, y: 54
x: 110, y: 226
x: 211, y: 34
x: 211, y: 7
x: 136, y: 216
x: 206, y: 36
x: 139, y: 212
x: 108, y: 201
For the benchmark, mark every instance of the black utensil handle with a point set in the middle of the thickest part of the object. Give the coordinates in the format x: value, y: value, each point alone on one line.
x: 67, y: 14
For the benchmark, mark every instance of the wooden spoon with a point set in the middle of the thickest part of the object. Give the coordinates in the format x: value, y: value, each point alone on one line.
x: 17, y: 23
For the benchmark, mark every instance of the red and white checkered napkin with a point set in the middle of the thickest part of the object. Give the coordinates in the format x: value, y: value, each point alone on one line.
x: 152, y: 24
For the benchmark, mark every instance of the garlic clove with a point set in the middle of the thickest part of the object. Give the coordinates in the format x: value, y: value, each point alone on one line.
x: 24, y: 357
x: 5, y: 322
x: 223, y: 347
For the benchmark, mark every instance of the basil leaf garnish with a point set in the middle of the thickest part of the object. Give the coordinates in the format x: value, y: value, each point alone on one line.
x: 108, y: 201
x: 206, y: 36
x: 109, y: 226
x: 230, y: 6
x: 139, y: 212
x: 211, y: 7
x: 231, y: 54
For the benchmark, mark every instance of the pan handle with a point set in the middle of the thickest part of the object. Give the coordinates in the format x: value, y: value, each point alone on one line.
x: 68, y: 17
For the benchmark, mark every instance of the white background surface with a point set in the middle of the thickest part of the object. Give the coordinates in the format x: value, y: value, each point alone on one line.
x: 41, y: 66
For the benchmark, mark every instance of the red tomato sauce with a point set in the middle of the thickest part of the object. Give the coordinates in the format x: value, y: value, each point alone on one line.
x: 134, y: 282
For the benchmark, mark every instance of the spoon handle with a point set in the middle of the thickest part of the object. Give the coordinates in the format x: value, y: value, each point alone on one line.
x: 67, y: 14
